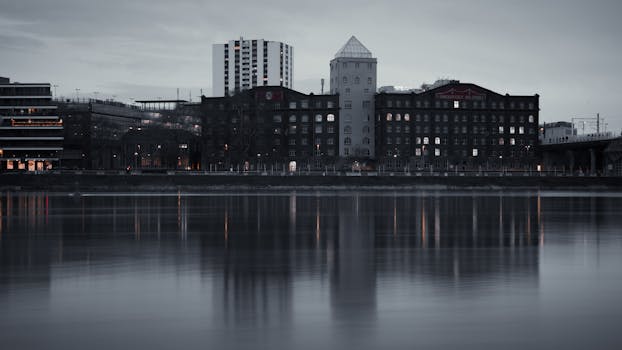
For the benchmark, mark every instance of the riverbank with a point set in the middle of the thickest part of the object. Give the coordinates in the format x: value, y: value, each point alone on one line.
x: 207, y: 182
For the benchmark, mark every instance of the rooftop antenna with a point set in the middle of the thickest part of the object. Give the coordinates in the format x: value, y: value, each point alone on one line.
x: 177, y: 94
x: 322, y: 81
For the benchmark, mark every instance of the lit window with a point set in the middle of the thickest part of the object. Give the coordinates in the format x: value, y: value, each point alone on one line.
x: 501, y: 141
x: 304, y: 118
x: 318, y: 118
x: 521, y: 129
x: 406, y: 117
x: 512, y: 141
x: 500, y: 130
x: 398, y: 117
x: 437, y: 152
x: 418, y: 140
x: 531, y: 118
x: 437, y: 140
x: 512, y: 130
x: 475, y: 152
x: 330, y: 118
x: 292, y: 118
x: 292, y: 105
x: 418, y: 151
x: 389, y: 117
x: 456, y: 104
x: 426, y: 140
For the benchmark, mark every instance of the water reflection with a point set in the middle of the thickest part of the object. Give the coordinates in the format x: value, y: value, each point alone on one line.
x: 264, y: 257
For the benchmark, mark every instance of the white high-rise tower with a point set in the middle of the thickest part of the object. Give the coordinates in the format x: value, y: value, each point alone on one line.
x: 243, y: 64
x: 353, y: 77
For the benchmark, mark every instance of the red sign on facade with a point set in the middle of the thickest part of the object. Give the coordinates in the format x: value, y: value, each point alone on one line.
x: 461, y: 94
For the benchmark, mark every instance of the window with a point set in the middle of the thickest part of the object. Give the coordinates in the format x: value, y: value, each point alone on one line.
x: 330, y: 104
x: 407, y: 129
x: 437, y: 152
x: 347, y: 129
x: 357, y: 80
x: 292, y: 153
x: 456, y: 104
x: 389, y: 117
x: 318, y: 118
x: 366, y: 129
x: 347, y: 104
x: 501, y: 141
x: 304, y: 104
x: 304, y: 118
x: 330, y: 118
x: 398, y: 140
x: 330, y: 129
x: 406, y: 117
x: 277, y: 118
x: 475, y: 152
x: 389, y: 141
x: 292, y: 129
x: 318, y: 129
x: 418, y: 140
x: 500, y: 130
x: 521, y: 130
x: 366, y: 140
x: 369, y: 81
x: 304, y: 142
x: 512, y: 130
x: 292, y: 118
x: 292, y: 105
x: 276, y: 131
x: 347, y: 141
x: 389, y: 128
x: 398, y: 117
x: 418, y: 152
x: 531, y: 118
x: 330, y: 141
x: 366, y: 104
x: 437, y: 140
x: 346, y: 151
x: 345, y: 79
x: 305, y: 129
x: 292, y: 142
x: 512, y: 141
x: 426, y: 140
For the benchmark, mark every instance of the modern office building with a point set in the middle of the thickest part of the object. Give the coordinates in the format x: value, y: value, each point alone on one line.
x: 31, y: 132
x: 271, y: 128
x: 244, y: 64
x: 353, y: 78
x: 456, y: 126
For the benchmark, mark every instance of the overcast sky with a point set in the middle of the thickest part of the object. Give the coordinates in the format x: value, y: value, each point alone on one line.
x: 567, y: 51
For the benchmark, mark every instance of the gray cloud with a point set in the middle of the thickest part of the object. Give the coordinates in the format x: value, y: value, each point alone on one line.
x: 567, y: 51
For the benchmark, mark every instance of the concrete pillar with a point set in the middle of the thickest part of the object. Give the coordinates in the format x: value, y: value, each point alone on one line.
x: 592, y: 161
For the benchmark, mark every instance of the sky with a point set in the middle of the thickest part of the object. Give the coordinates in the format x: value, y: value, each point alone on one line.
x: 567, y: 51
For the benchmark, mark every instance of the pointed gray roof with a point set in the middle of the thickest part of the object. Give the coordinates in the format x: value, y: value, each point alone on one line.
x: 353, y: 48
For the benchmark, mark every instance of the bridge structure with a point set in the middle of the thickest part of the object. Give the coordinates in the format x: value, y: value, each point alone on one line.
x: 586, y: 154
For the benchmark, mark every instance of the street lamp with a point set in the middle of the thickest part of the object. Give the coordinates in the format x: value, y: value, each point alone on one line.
x: 77, y: 94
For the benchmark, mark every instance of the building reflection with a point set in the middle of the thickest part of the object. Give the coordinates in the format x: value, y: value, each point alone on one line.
x: 252, y: 249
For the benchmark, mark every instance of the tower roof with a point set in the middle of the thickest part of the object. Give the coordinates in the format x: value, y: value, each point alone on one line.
x: 353, y: 48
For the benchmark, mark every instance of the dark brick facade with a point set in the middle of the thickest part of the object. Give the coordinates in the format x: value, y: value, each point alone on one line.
x: 456, y: 127
x: 268, y: 128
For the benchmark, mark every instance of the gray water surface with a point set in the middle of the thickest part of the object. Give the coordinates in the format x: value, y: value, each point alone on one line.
x: 309, y: 270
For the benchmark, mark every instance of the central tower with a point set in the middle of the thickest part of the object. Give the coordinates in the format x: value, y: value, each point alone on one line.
x: 353, y: 77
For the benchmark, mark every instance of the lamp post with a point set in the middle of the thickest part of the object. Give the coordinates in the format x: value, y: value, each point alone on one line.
x: 77, y: 95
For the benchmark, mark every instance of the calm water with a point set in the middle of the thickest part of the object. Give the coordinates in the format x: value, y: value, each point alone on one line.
x: 309, y: 270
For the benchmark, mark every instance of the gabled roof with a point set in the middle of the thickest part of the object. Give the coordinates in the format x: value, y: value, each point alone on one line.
x: 353, y: 48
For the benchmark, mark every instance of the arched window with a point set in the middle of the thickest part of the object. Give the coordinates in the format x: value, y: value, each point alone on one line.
x: 389, y: 117
x: 407, y: 117
x: 347, y: 129
x: 366, y: 129
x: 347, y: 141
